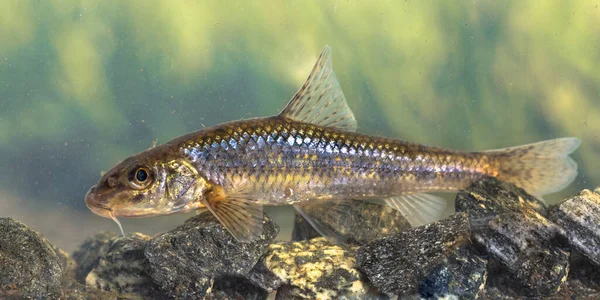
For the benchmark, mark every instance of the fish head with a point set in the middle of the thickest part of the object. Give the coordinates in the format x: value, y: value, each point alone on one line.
x: 147, y: 184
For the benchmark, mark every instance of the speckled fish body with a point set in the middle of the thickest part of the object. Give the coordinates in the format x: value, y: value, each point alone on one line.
x: 311, y: 157
x: 287, y: 161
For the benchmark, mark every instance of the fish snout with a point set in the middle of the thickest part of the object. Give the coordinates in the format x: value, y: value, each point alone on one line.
x: 91, y: 201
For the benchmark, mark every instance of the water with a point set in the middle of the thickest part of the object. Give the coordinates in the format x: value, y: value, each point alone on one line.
x: 85, y: 84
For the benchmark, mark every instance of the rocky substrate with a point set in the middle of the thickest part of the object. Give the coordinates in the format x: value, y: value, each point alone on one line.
x: 500, y: 244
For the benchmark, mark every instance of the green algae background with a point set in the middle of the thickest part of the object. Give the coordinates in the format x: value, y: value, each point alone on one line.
x: 84, y: 84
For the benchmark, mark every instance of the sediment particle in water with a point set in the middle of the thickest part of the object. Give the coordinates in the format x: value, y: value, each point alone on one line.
x: 397, y: 264
x: 579, y: 217
x: 29, y: 266
x: 186, y: 261
x: 516, y: 234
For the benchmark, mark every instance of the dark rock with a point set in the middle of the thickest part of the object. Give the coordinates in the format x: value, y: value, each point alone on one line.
x: 236, y: 288
x: 123, y: 268
x: 515, y: 234
x: 579, y: 217
x: 583, y: 281
x: 290, y: 292
x: 463, y: 274
x: 363, y: 222
x: 316, y: 269
x: 87, y: 255
x: 491, y: 197
x: 67, y: 264
x: 185, y: 261
x: 77, y: 291
x: 29, y: 266
x: 396, y: 264
x: 263, y: 277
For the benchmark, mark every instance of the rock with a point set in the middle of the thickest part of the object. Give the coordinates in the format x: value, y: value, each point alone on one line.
x: 77, y: 291
x: 123, y: 269
x: 87, y: 255
x: 579, y: 217
x: 263, y: 277
x: 29, y: 266
x: 463, y: 274
x: 363, y: 222
x: 236, y: 288
x: 316, y: 269
x: 67, y: 264
x: 515, y: 233
x: 491, y: 197
x: 290, y: 292
x: 396, y: 264
x: 583, y: 282
x: 184, y: 262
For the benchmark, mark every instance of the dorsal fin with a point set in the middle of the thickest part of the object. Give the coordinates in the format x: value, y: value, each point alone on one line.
x: 320, y: 100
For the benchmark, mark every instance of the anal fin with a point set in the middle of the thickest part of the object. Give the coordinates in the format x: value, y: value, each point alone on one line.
x: 418, y: 208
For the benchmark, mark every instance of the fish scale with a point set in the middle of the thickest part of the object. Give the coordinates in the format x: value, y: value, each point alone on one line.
x: 348, y: 164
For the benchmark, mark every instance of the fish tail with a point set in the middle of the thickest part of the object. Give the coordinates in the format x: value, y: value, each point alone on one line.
x: 540, y: 168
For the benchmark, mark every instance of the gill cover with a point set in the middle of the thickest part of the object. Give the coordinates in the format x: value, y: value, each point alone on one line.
x: 181, y: 184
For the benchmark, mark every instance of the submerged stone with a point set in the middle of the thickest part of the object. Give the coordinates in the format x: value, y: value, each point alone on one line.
x: 185, y: 261
x: 316, y: 269
x: 67, y: 264
x: 579, y: 217
x: 509, y: 225
x: 123, y: 269
x: 463, y: 275
x: 236, y: 288
x: 397, y: 264
x: 87, y: 255
x: 362, y: 222
x: 583, y: 282
x: 263, y: 277
x: 29, y: 266
x: 491, y: 197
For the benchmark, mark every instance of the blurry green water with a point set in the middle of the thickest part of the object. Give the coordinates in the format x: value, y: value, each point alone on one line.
x: 84, y: 84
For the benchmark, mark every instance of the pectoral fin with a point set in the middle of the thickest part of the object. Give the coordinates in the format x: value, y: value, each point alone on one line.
x: 419, y: 209
x: 242, y: 217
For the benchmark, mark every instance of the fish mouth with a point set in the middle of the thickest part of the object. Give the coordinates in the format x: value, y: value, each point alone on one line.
x: 97, y: 208
x: 100, y: 209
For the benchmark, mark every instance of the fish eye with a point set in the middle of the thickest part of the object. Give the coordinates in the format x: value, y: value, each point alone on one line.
x: 139, y: 177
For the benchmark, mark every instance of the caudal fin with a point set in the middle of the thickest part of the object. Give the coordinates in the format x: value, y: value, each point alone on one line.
x: 540, y: 168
